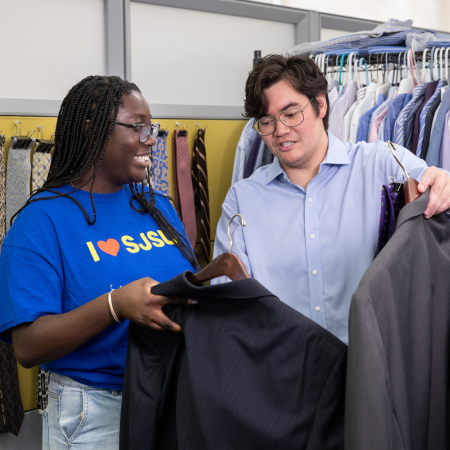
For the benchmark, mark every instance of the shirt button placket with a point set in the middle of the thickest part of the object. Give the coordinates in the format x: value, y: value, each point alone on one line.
x: 314, y: 260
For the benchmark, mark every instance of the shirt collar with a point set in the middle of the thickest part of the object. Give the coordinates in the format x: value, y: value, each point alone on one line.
x: 336, y: 154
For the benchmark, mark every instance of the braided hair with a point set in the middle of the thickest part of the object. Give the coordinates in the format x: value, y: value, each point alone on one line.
x: 97, y: 99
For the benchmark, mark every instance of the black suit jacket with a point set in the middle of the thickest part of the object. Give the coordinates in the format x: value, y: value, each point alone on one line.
x: 399, y: 336
x: 249, y: 372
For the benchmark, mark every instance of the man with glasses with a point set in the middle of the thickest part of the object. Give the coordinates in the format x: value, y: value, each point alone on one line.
x: 313, y: 214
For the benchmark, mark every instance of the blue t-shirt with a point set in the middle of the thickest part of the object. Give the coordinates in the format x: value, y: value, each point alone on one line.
x: 52, y: 261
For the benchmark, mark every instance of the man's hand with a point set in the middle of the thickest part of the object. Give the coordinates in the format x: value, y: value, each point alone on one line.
x: 439, y: 183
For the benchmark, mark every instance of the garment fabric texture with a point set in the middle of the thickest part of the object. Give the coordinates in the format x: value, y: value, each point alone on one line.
x: 445, y: 146
x: 267, y: 156
x: 11, y: 409
x: 243, y: 148
x: 184, y: 192
x: 426, y: 119
x: 18, y: 173
x: 381, y: 129
x: 429, y: 91
x: 302, y: 264
x: 399, y: 128
x: 250, y: 165
x: 342, y: 106
x: 248, y: 372
x: 398, y: 372
x: 392, y: 201
x: 52, y: 261
x: 201, y: 191
x: 160, y: 165
x: 40, y: 168
x: 80, y: 417
x: 434, y: 150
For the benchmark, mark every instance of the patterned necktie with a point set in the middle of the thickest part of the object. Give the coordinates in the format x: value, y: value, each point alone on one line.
x: 40, y: 166
x: 160, y: 165
x: 424, y: 139
x: 11, y: 409
x: 18, y: 175
x: 184, y: 194
x: 201, y: 192
x: 2, y: 189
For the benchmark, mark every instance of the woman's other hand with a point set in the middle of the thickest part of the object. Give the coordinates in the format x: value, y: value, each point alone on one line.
x: 136, y: 303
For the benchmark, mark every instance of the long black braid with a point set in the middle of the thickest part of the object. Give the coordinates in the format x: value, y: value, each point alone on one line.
x: 97, y: 99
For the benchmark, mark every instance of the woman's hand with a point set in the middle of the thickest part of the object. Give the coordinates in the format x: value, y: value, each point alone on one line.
x: 136, y: 303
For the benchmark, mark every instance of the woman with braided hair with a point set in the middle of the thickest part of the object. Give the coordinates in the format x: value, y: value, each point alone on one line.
x: 75, y: 266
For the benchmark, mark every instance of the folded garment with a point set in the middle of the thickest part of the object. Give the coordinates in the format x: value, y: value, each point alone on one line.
x: 349, y: 40
x: 439, y: 43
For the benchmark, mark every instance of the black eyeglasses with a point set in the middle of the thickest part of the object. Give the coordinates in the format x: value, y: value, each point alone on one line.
x: 291, y: 118
x: 145, y: 129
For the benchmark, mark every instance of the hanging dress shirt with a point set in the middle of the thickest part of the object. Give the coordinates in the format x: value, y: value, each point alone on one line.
x: 367, y: 103
x: 341, y: 108
x: 429, y: 91
x: 333, y: 96
x: 445, y: 145
x: 426, y: 119
x: 399, y: 128
x: 433, y: 155
x: 393, y: 112
x: 374, y: 134
x: 348, y: 117
x: 363, y: 128
x: 242, y: 151
x: 411, y: 117
x: 390, y: 95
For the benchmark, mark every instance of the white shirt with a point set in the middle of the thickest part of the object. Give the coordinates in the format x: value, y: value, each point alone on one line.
x: 368, y: 102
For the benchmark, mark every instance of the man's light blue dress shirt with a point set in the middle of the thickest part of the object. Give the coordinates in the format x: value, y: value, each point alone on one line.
x: 311, y: 247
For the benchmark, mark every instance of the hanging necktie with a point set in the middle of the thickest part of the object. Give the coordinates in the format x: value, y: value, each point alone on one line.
x: 201, y: 192
x: 184, y: 194
x: 18, y: 174
x: 160, y: 165
x: 11, y: 409
x: 2, y: 189
x: 42, y: 158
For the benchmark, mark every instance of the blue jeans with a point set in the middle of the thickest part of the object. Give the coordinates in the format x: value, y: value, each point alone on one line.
x: 80, y: 417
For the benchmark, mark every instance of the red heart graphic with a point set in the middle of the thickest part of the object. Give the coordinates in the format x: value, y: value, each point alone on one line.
x: 111, y: 246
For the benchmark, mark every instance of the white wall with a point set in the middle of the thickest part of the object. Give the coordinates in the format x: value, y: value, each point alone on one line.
x: 47, y: 46
x: 197, y: 58
x: 433, y: 14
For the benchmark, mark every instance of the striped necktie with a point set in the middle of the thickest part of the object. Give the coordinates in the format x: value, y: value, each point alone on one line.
x: 2, y: 189
x: 160, y: 165
x: 184, y: 193
x: 40, y: 166
x: 424, y: 139
x: 399, y: 129
x: 18, y: 175
x: 201, y: 192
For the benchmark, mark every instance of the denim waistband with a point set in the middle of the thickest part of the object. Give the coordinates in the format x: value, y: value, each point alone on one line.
x: 66, y: 381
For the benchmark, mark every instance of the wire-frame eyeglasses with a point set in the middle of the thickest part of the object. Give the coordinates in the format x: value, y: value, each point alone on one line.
x: 292, y: 117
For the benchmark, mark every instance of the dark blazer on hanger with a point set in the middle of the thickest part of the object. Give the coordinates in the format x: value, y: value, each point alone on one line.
x: 397, y: 374
x: 249, y: 372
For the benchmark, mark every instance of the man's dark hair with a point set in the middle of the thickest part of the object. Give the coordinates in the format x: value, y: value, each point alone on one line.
x: 301, y: 72
x: 97, y: 99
